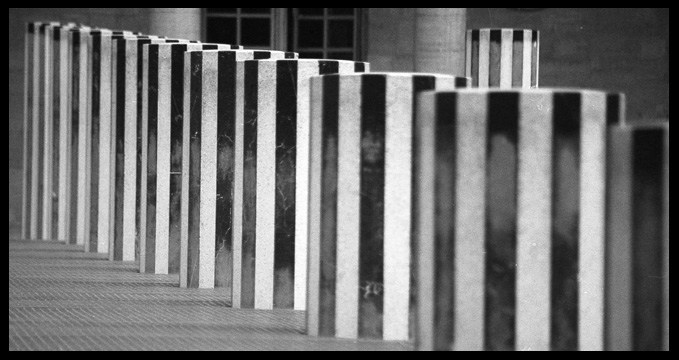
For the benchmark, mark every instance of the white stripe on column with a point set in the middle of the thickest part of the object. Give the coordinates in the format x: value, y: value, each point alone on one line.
x: 397, y: 199
x: 468, y: 54
x: 64, y: 137
x: 507, y: 58
x: 266, y: 188
x: 24, y: 198
x: 35, y: 181
x: 112, y: 143
x: 526, y: 65
x: 83, y: 209
x: 164, y: 160
x: 537, y: 57
x: 425, y: 203
x: 208, y: 172
x: 143, y: 189
x: 484, y: 59
x: 238, y: 190
x: 470, y: 222
x: 186, y: 147
x: 592, y: 220
x: 48, y: 132
x: 534, y: 247
x: 315, y: 194
x: 348, y: 205
x: 105, y: 148
x: 666, y: 236
x: 130, y: 181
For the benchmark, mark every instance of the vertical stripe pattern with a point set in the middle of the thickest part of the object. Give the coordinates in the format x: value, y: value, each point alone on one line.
x: 503, y: 58
x: 360, y: 203
x: 528, y: 206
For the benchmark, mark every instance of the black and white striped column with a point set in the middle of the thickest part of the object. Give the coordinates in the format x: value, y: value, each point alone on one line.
x: 503, y: 58
x: 511, y: 219
x: 262, y: 227
x: 213, y: 103
x: 37, y: 70
x: 162, y: 130
x: 127, y: 111
x: 361, y: 175
x: 638, y: 239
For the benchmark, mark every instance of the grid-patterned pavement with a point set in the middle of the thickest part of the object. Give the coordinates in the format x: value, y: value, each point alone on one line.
x: 63, y: 299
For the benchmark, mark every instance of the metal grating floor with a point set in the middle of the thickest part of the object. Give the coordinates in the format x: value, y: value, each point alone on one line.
x: 63, y: 299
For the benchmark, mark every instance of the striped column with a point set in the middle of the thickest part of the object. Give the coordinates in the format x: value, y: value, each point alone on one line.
x: 511, y: 219
x: 35, y: 230
x: 213, y: 106
x: 503, y: 58
x: 638, y: 270
x: 29, y: 39
x: 127, y: 64
x: 361, y: 175
x: 162, y: 130
x: 262, y: 216
x: 47, y: 131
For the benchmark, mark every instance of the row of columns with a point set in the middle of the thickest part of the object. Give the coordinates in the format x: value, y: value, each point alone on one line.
x: 388, y: 206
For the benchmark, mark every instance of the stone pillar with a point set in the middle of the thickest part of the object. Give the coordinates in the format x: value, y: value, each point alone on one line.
x: 361, y: 173
x: 35, y: 198
x: 162, y: 127
x: 440, y: 40
x: 179, y: 23
x: 270, y: 215
x: 29, y: 38
x: 503, y: 58
x: 512, y: 219
x: 213, y: 104
x: 638, y: 239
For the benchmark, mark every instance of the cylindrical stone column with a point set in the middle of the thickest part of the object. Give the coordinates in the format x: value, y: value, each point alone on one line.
x: 35, y: 232
x: 179, y: 23
x: 511, y: 212
x: 127, y: 111
x: 440, y: 40
x: 503, y: 58
x: 162, y: 130
x: 360, y: 201
x: 265, y: 226
x: 29, y: 39
x: 213, y: 103
x: 638, y: 288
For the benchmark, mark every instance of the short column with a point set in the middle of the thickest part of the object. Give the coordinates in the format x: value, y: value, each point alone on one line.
x: 503, y: 58
x: 512, y: 219
x: 361, y: 175
x: 213, y: 101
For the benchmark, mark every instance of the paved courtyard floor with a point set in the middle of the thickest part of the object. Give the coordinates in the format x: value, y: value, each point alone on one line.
x: 63, y: 299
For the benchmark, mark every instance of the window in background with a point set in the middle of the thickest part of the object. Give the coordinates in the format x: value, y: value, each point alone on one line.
x: 251, y: 27
x: 325, y: 33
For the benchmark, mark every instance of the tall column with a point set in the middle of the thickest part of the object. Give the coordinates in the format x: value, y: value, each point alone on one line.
x: 440, y: 40
x: 180, y: 23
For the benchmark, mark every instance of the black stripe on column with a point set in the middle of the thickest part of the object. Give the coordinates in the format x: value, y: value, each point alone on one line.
x: 501, y: 208
x: 290, y: 55
x: 476, y: 48
x: 566, y: 221
x: 373, y: 147
x: 495, y: 46
x: 648, y: 240
x: 535, y: 59
x: 261, y: 55
x: 210, y: 47
x: 286, y: 170
x: 177, y: 133
x: 613, y: 109
x: 446, y: 175
x: 140, y: 114
x: 359, y: 67
x: 196, y: 97
x: 226, y: 158
x: 31, y: 28
x: 250, y: 184
x: 120, y: 74
x: 420, y: 83
x: 152, y: 160
x: 461, y: 82
x: 327, y: 67
x: 94, y: 143
x: 329, y: 181
x: 517, y: 59
x: 75, y: 129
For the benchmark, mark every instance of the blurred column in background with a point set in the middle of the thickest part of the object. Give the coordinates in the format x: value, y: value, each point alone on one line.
x: 180, y: 23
